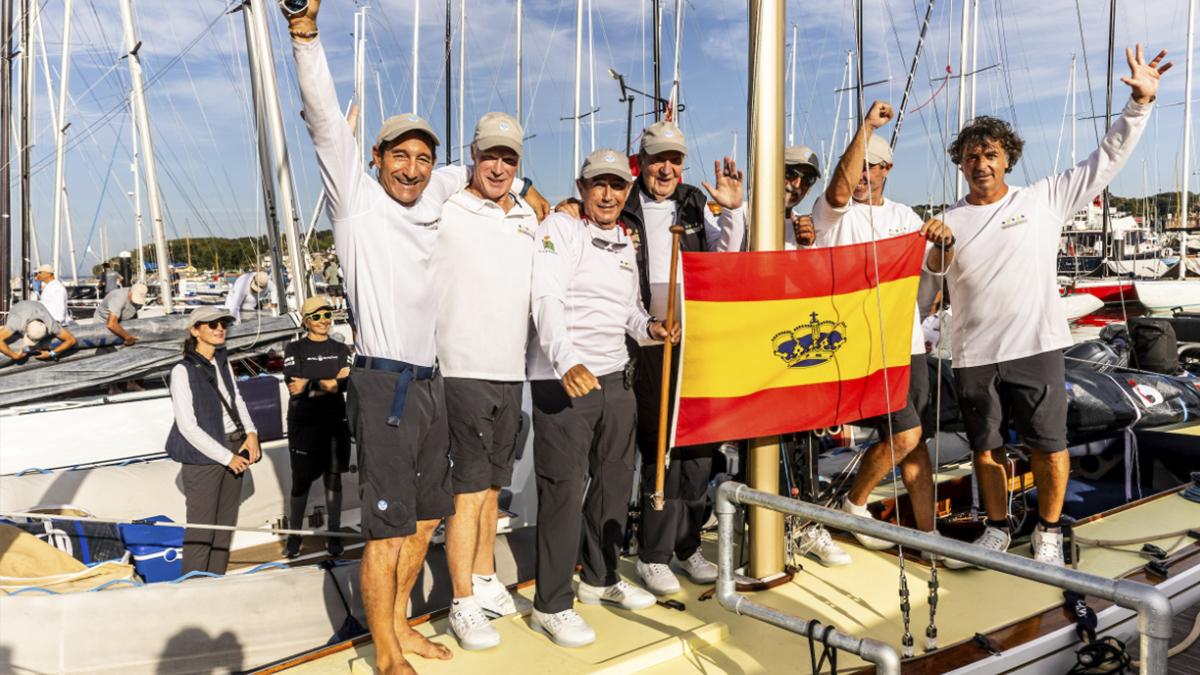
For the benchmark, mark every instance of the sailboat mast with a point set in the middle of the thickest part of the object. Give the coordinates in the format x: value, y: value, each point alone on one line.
x: 792, y: 114
x: 137, y: 200
x: 6, y: 7
x: 675, y: 84
x: 416, y: 51
x: 1187, y: 139
x: 70, y: 238
x: 462, y: 82
x: 60, y: 140
x: 1112, y: 27
x: 1073, y: 97
x: 360, y: 84
x: 657, y: 29
x: 26, y: 142
x: 860, y: 105
x: 520, y: 20
x: 591, y: 80
x: 449, y: 80
x: 912, y: 74
x: 575, y: 157
x: 962, y: 85
x: 143, y: 116
x: 974, y: 53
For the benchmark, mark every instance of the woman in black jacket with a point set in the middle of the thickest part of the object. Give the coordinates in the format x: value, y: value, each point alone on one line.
x: 213, y: 437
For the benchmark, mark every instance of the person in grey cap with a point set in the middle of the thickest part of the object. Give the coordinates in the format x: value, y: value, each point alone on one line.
x: 385, y: 228
x: 802, y: 170
x: 485, y: 260
x: 585, y: 301
x: 213, y: 437
x: 30, y: 321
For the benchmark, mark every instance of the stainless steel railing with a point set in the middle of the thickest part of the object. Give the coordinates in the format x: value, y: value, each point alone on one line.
x: 1151, y: 604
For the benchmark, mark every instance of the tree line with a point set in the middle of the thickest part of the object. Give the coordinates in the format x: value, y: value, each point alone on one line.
x: 207, y: 253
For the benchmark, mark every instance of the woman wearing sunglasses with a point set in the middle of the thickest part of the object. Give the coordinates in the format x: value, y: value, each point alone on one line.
x: 213, y: 437
x: 316, y: 369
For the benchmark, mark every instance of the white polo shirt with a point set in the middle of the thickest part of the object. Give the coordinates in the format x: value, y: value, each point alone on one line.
x: 857, y: 223
x: 388, y: 251
x: 585, y: 298
x: 485, y: 263
x: 1003, y: 279
x: 54, y: 297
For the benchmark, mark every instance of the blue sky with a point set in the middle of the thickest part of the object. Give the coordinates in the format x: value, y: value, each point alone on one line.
x: 198, y: 84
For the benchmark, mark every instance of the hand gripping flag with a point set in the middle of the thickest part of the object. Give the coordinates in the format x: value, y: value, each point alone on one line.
x: 779, y: 342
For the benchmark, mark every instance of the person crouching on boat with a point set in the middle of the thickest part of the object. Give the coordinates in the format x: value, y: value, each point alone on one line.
x: 584, y: 301
x: 1010, y: 327
x: 31, y: 321
x: 122, y: 305
x: 316, y: 369
x: 213, y: 437
x: 801, y: 171
x: 853, y: 210
x: 247, y: 293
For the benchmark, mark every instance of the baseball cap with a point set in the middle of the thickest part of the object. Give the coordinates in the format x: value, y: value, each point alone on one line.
x: 208, y: 313
x: 35, y: 331
x: 878, y: 150
x: 260, y: 280
x: 313, y: 304
x: 497, y: 128
x: 45, y: 268
x: 801, y: 155
x: 663, y: 136
x: 606, y: 161
x: 137, y: 294
x: 397, y: 125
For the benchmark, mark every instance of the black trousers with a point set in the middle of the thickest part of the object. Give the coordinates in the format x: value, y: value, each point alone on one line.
x: 572, y: 439
x: 213, y: 494
x: 675, y: 529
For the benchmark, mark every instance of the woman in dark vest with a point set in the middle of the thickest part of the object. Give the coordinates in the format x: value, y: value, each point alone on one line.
x: 213, y: 437
x: 316, y: 369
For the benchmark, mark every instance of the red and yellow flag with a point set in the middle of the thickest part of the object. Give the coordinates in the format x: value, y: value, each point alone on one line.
x: 787, y: 341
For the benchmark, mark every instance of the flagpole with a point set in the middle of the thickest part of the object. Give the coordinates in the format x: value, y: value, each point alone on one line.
x: 767, y: 23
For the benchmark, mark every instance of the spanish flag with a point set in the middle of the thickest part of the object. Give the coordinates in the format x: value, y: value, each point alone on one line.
x: 779, y: 342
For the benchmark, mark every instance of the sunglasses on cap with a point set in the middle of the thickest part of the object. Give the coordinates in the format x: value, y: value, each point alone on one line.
x: 808, y: 179
x: 318, y: 315
x: 217, y: 323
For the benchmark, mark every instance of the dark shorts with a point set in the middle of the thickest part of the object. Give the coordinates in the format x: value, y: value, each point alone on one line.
x: 404, y: 471
x: 334, y: 291
x: 910, y: 416
x: 318, y: 450
x: 1032, y: 390
x: 484, y: 419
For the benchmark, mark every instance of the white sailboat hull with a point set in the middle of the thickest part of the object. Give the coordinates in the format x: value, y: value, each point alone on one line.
x: 1080, y: 305
x: 1163, y: 295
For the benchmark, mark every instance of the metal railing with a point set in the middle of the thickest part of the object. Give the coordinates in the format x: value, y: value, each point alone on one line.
x: 1153, y: 607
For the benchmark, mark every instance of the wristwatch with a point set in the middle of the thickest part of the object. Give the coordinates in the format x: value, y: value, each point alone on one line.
x: 649, y: 323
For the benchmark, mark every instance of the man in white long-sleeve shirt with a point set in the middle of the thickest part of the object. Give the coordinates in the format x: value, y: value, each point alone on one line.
x: 53, y: 295
x: 386, y: 232
x: 247, y: 293
x: 585, y: 299
x: 1009, y: 328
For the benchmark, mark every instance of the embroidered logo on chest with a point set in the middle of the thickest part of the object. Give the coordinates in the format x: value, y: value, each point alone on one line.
x: 431, y: 225
x: 1013, y: 222
x: 624, y: 264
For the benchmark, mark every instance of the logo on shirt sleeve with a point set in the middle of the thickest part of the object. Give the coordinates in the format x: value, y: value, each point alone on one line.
x: 548, y: 245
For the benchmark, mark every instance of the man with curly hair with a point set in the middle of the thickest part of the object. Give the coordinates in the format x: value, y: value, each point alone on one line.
x: 1008, y: 345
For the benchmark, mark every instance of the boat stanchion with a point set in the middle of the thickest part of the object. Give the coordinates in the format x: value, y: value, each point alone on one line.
x: 931, y: 631
x: 664, y: 407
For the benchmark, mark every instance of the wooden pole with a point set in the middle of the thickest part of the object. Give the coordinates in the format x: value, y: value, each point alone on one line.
x: 664, y: 408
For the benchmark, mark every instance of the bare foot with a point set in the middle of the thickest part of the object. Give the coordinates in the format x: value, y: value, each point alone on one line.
x: 133, y: 386
x: 413, y: 642
x: 393, y: 666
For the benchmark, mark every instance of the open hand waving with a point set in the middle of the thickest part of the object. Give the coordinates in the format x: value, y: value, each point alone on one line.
x: 1143, y: 77
x: 729, y: 190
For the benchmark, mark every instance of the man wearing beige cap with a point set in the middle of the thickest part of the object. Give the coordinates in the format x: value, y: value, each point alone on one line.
x: 853, y: 210
x: 585, y: 301
x: 30, y: 321
x: 53, y: 295
x: 119, y: 306
x: 801, y: 170
x: 247, y: 293
x: 485, y: 259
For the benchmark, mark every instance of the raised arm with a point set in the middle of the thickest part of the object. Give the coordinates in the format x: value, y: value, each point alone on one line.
x: 850, y: 167
x: 726, y: 232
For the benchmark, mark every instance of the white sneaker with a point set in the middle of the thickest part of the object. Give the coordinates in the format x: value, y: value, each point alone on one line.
x: 814, y: 540
x: 565, y: 628
x: 622, y: 594
x: 992, y: 538
x: 495, y: 600
x: 1047, y: 547
x: 698, y: 568
x: 471, y: 627
x: 869, y: 542
x: 657, y: 578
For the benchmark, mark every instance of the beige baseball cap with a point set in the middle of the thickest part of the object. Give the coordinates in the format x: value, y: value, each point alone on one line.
x: 208, y: 313
x: 497, y: 128
x: 801, y: 155
x: 35, y: 331
x: 259, y: 282
x: 663, y: 136
x: 45, y: 268
x: 397, y: 125
x: 878, y: 150
x: 137, y: 294
x: 316, y: 302
x: 606, y: 161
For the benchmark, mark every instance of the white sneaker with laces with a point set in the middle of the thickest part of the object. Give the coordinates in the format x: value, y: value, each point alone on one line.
x: 622, y: 594
x: 1047, y: 547
x: 565, y: 628
x: 869, y: 542
x: 471, y: 627
x: 657, y: 578
x: 698, y: 568
x: 992, y: 538
x: 495, y: 600
x: 814, y: 540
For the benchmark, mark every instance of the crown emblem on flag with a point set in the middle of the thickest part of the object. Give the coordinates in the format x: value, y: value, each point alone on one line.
x: 809, y: 344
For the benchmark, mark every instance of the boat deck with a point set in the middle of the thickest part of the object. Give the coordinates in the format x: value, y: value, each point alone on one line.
x: 861, y: 599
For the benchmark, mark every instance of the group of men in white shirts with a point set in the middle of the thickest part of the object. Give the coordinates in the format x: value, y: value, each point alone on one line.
x: 461, y: 295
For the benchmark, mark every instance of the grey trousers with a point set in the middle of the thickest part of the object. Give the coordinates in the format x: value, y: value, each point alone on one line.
x: 572, y: 439
x: 213, y: 494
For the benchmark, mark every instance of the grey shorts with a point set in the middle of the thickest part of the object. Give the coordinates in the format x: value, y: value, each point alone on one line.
x: 1032, y: 390
x: 910, y: 416
x: 404, y: 471
x: 485, y: 418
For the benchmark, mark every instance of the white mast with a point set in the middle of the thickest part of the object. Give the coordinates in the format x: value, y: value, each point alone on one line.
x: 60, y: 139
x: 678, y: 53
x: 1187, y: 138
x: 520, y: 19
x: 591, y: 80
x: 575, y: 157
x: 1073, y: 97
x: 137, y: 200
x: 70, y: 237
x: 360, y: 85
x: 416, y: 53
x: 143, y: 116
x: 962, y: 85
x: 792, y: 116
x: 462, y: 82
x: 974, y: 52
